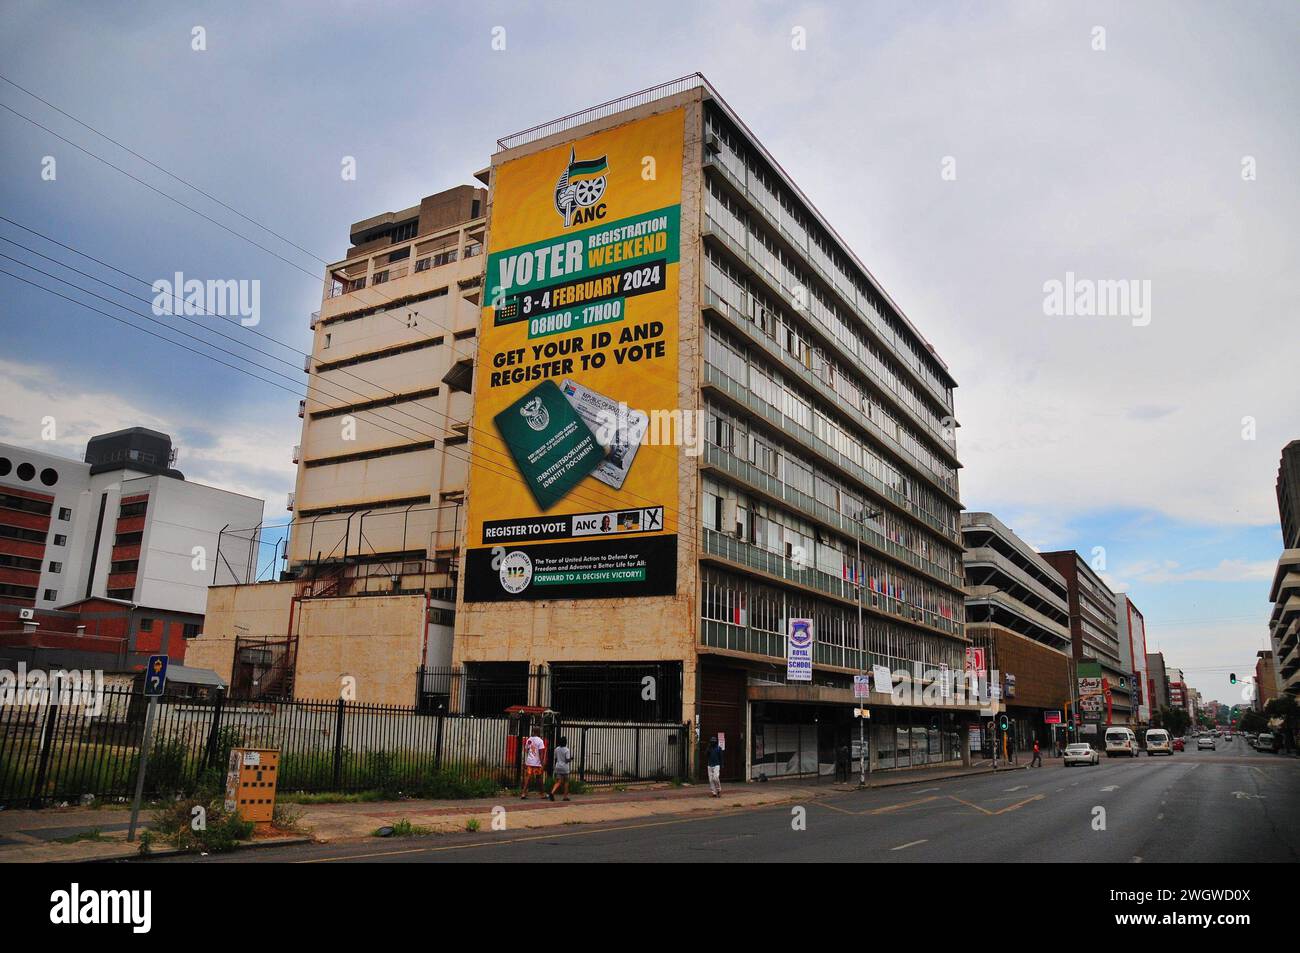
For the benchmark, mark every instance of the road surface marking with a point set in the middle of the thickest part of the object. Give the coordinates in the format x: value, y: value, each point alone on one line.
x: 1160, y: 817
x: 910, y: 844
x: 895, y: 807
x: 1111, y: 787
x: 1137, y: 860
x: 1243, y: 796
x: 1019, y: 804
x: 1018, y: 787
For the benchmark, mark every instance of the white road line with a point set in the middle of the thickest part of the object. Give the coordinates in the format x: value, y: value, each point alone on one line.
x: 1111, y: 787
x: 910, y: 844
x: 1137, y: 860
x: 1018, y: 787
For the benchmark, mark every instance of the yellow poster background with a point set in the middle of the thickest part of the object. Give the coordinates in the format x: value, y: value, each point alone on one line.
x: 644, y: 174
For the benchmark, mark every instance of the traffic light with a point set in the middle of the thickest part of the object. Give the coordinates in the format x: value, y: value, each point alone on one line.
x: 1003, y: 723
x: 1232, y: 679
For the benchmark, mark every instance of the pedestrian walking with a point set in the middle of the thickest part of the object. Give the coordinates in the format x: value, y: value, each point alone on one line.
x: 563, y: 757
x: 534, y: 759
x: 715, y: 767
x: 1038, y: 756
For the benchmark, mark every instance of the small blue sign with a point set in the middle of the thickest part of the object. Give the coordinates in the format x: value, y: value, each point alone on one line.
x: 155, y: 675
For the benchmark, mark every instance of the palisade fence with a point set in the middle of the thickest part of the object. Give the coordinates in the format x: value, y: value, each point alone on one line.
x: 51, y: 753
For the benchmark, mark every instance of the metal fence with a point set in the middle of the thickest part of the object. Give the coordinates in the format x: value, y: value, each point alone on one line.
x: 52, y: 752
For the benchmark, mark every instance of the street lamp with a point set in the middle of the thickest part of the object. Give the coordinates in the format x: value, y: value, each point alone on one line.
x: 864, y: 764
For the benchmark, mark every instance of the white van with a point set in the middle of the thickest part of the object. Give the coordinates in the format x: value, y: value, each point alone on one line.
x: 1121, y: 741
x: 1158, y: 742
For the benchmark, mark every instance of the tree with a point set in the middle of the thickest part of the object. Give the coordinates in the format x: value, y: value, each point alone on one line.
x: 1174, y: 720
x: 1286, y: 708
x: 1253, y: 722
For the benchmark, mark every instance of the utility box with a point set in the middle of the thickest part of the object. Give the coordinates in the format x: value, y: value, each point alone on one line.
x: 250, y: 783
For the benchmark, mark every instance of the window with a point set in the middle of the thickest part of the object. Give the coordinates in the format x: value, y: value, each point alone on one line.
x: 191, y: 630
x: 423, y: 264
x: 403, y: 232
x: 60, y: 540
x: 128, y: 539
x: 129, y: 510
x: 56, y: 567
x: 65, y: 513
x: 146, y: 625
x: 51, y: 595
x: 326, y: 345
x: 123, y: 594
x: 379, y: 277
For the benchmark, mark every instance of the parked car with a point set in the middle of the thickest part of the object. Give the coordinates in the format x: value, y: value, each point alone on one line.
x: 1080, y: 753
x: 1121, y: 741
x: 1205, y: 741
x: 1179, y: 744
x: 1158, y: 742
x: 1264, y: 742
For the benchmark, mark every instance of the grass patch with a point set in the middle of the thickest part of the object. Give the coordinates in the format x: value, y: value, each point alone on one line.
x: 403, y: 828
x: 195, y: 826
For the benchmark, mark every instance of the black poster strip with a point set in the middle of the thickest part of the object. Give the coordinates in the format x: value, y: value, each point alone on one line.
x: 603, y: 568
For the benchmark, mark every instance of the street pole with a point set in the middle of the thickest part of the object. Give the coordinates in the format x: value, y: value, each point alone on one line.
x: 864, y: 758
x: 144, y: 760
x: 862, y: 658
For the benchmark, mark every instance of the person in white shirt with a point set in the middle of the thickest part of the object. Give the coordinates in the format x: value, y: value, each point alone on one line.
x: 534, y: 760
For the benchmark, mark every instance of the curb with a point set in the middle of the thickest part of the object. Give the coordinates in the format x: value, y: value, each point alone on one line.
x: 135, y: 855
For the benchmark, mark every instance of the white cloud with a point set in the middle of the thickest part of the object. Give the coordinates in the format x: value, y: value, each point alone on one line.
x: 243, y: 456
x: 1169, y: 571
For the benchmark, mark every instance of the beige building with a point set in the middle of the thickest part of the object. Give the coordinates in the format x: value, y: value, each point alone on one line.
x: 826, y: 420
x: 369, y: 586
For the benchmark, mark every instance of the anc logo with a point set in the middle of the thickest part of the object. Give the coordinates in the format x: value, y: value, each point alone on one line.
x: 580, y: 188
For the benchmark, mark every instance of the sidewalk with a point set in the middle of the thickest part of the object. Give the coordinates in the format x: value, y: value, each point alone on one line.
x: 28, y: 836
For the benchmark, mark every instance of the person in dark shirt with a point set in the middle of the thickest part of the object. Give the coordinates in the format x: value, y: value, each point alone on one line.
x: 715, y: 767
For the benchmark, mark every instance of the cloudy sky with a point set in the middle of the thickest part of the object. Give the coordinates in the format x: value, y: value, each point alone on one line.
x: 970, y: 154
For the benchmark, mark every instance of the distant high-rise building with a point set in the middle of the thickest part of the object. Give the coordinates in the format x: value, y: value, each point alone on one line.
x: 110, y: 556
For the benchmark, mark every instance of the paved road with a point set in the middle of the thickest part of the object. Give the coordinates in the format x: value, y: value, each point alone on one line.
x: 1233, y: 804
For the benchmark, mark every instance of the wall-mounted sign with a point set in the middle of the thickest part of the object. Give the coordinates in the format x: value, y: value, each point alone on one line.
x: 798, y: 654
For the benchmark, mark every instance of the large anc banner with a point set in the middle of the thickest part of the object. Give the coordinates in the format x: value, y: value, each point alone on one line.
x: 573, y: 491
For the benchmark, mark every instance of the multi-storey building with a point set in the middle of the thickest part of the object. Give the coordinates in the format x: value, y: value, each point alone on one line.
x: 107, y: 560
x: 368, y: 592
x: 1132, y: 633
x: 1265, y: 679
x: 1094, y: 632
x: 1157, y: 681
x: 1284, y: 623
x: 1017, y: 607
x: 664, y: 262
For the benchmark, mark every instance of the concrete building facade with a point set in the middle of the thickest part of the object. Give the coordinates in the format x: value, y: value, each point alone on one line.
x: 106, y: 560
x: 827, y: 421
x: 1284, y: 622
x: 382, y: 470
x: 1017, y: 606
x: 1094, y: 632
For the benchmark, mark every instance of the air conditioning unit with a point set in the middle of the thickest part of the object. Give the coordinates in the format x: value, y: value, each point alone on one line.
x: 297, y: 452
x: 289, y: 503
x: 26, y: 615
x: 713, y: 144
x: 302, y: 407
x: 306, y: 364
